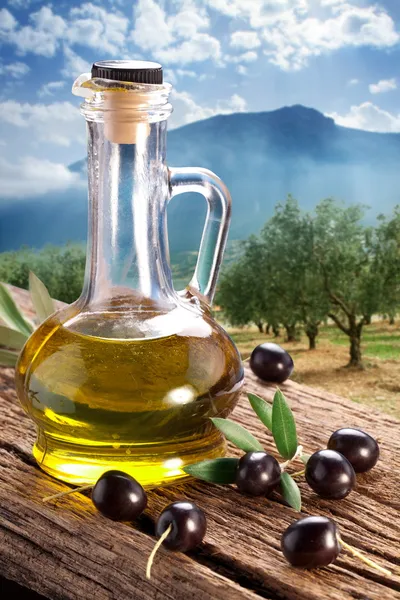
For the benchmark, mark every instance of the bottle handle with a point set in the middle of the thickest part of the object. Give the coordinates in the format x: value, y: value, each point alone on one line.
x: 215, y: 232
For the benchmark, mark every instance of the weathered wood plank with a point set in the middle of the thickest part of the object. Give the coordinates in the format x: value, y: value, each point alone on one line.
x: 77, y: 554
x: 67, y: 551
x: 247, y: 531
x: 78, y: 549
x: 10, y: 590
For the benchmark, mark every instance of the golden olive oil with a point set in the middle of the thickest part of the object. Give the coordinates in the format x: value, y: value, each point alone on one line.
x: 140, y: 405
x: 128, y: 377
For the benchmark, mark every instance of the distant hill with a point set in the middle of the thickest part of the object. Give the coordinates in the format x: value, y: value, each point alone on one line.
x: 261, y: 157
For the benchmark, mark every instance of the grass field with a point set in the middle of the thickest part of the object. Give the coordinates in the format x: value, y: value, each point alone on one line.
x: 377, y: 385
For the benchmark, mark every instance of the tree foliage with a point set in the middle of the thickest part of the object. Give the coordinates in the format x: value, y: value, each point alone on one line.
x: 300, y: 270
x: 293, y: 273
x: 305, y: 268
x: 242, y: 291
x: 60, y: 268
x: 277, y: 278
x: 386, y: 245
x: 343, y: 250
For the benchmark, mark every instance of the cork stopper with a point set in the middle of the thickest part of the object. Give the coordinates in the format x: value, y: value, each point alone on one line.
x: 124, y: 91
x: 123, y: 121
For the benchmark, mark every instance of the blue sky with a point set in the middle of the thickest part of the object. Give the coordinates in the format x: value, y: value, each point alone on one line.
x: 338, y: 56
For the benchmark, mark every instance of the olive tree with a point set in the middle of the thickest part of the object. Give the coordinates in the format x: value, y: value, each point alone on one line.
x: 241, y: 292
x: 342, y: 248
x: 387, y: 262
x: 277, y: 279
x: 294, y: 280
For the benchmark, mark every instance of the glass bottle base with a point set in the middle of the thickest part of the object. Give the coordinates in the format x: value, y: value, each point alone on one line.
x: 151, y: 465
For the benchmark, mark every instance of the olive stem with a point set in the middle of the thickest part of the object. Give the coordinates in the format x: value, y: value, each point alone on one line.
x: 74, y: 491
x: 298, y: 473
x: 155, y: 549
x: 246, y: 359
x: 285, y: 464
x: 366, y: 560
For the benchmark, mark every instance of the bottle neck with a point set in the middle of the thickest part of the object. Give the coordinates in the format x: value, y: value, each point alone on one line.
x: 128, y: 193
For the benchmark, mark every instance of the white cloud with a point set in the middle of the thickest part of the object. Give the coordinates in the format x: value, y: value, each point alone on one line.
x: 293, y: 31
x: 353, y: 81
x: 154, y: 29
x: 200, y: 48
x: 241, y: 69
x: 226, y: 7
x: 332, y: 2
x: 290, y: 32
x: 175, y: 39
x: 247, y: 57
x: 20, y: 3
x: 369, y: 117
x: 30, y: 176
x: 97, y: 28
x: 48, y: 89
x: 185, y: 73
x: 172, y: 75
x: 293, y: 41
x: 42, y: 36
x: 259, y: 13
x: 384, y: 85
x: 15, y: 69
x: 7, y: 21
x: 151, y: 29
x: 58, y: 123
x: 245, y: 39
x: 235, y: 104
x: 86, y: 25
x: 186, y: 109
x: 188, y: 22
x: 74, y: 65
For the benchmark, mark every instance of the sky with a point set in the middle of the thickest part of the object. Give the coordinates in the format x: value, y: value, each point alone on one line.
x: 341, y: 57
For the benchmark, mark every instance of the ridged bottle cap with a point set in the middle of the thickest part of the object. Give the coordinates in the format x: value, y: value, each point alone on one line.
x: 133, y: 71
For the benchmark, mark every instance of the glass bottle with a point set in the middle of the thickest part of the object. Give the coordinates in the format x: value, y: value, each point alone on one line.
x: 128, y: 376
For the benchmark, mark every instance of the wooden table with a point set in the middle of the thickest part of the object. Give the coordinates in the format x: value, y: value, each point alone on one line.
x: 69, y: 551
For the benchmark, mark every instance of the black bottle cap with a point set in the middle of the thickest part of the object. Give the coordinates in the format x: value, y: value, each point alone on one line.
x: 134, y: 71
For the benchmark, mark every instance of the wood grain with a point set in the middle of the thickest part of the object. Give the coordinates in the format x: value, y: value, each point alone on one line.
x: 68, y: 551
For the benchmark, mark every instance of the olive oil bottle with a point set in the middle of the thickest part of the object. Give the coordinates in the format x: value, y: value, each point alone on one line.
x: 128, y: 376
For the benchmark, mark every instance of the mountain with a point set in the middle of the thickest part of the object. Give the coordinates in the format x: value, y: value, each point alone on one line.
x: 261, y: 157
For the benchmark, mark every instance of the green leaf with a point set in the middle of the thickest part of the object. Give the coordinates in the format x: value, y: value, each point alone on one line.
x: 41, y: 298
x: 290, y: 491
x: 238, y: 435
x: 11, y: 314
x: 8, y: 358
x: 304, y: 458
x: 219, y: 470
x: 283, y: 426
x: 12, y: 338
x: 262, y: 409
